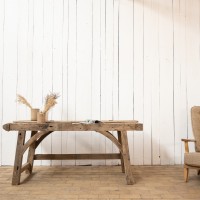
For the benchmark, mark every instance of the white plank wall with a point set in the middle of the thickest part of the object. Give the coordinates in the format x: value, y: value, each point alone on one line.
x: 108, y: 59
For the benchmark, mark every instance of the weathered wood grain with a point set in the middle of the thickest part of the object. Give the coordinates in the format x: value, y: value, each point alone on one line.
x: 112, y: 138
x: 34, y: 137
x: 18, y: 158
x: 26, y: 166
x: 73, y: 126
x: 126, y: 158
x: 76, y: 156
x: 121, y: 156
x: 31, y: 153
x: 39, y: 131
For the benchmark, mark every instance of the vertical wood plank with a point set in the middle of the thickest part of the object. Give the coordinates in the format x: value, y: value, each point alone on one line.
x: 47, y: 65
x: 72, y: 79
x: 28, y: 59
x: 2, y: 20
x: 138, y: 80
x: 148, y: 57
x: 95, y: 65
x: 84, y: 78
x: 155, y: 62
x: 126, y: 65
x: 180, y: 98
x: 37, y: 54
x: 166, y: 83
x: 37, y: 59
x: 22, y: 111
x: 57, y: 74
x: 30, y: 50
x: 183, y: 77
x: 65, y: 66
x: 108, y: 69
x: 115, y: 75
x: 9, y: 78
x: 102, y: 139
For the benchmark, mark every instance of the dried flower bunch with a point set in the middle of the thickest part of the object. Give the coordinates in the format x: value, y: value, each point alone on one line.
x: 22, y: 100
x: 50, y: 101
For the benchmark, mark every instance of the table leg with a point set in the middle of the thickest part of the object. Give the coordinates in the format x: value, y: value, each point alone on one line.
x: 126, y: 158
x: 120, y: 141
x: 31, y: 153
x: 18, y: 158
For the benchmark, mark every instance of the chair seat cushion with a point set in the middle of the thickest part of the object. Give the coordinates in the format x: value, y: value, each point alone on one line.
x: 192, y: 158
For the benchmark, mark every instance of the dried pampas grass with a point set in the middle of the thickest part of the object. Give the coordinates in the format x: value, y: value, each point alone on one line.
x: 22, y: 100
x: 50, y: 101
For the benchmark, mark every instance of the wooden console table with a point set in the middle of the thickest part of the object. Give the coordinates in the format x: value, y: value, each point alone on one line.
x: 41, y: 130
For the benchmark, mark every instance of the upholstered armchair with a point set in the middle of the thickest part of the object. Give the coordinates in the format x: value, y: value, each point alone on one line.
x: 192, y: 159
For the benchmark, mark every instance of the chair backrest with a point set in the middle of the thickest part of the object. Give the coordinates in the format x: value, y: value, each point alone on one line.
x: 195, y: 117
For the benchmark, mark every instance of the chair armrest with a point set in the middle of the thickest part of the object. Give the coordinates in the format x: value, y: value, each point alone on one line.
x: 186, y: 144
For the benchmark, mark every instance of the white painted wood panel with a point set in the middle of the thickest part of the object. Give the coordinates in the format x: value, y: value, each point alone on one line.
x: 9, y: 78
x: 57, y: 73
x: 115, y: 75
x: 47, y: 64
x: 155, y: 90
x: 148, y: 42
x: 65, y: 66
x: 108, y: 68
x: 37, y: 53
x: 70, y: 138
x: 95, y: 73
x: 102, y: 139
x: 22, y: 71
x: 138, y: 79
x: 116, y: 59
x: 126, y: 65
x: 180, y: 99
x: 166, y: 83
x: 2, y: 24
x: 84, y: 76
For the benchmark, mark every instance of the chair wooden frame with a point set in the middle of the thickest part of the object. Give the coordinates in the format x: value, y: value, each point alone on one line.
x: 195, y: 119
x: 186, y: 167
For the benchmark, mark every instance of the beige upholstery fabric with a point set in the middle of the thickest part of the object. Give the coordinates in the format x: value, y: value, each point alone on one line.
x: 195, y: 117
x: 192, y: 159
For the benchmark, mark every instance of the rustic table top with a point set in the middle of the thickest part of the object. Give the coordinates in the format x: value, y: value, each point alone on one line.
x: 109, y: 125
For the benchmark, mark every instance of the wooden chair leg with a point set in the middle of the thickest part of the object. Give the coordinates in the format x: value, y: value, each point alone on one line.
x: 31, y: 153
x: 18, y: 158
x: 198, y: 171
x: 120, y: 141
x: 186, y: 173
x: 126, y: 158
